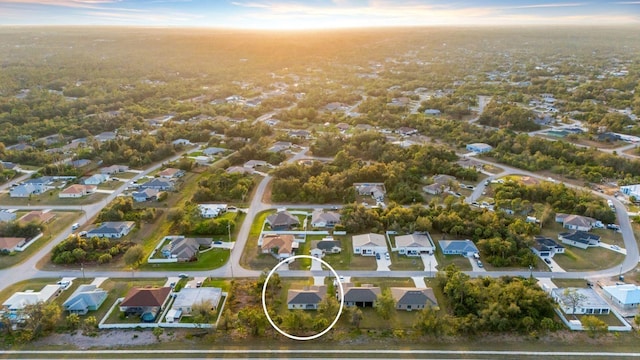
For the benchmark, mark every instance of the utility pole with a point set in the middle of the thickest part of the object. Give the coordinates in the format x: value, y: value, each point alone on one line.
x: 82, y: 269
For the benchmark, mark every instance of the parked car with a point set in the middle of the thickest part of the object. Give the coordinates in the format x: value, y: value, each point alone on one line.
x: 199, y: 284
x: 386, y: 256
x: 75, y: 226
x: 217, y: 242
x: 378, y: 256
x: 547, y: 261
x: 480, y: 264
x: 183, y: 276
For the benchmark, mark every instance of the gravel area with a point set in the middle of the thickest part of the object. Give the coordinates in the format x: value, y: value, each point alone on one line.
x: 104, y: 339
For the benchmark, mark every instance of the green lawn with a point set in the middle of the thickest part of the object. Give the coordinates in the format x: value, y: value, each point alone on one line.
x: 565, y: 283
x: 251, y: 255
x: 62, y: 221
x: 347, y: 260
x: 403, y: 262
x: 576, y: 259
x: 211, y: 259
x: 609, y: 319
x: 50, y: 198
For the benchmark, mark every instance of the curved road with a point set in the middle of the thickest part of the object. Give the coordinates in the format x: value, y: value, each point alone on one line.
x: 27, y: 269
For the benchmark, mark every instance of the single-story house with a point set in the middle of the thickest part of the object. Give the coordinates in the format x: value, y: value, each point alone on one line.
x: 86, y: 298
x: 10, y: 166
x: 413, y: 298
x: 626, y: 296
x: 171, y: 173
x: 209, y: 211
x: 145, y: 302
x: 19, y: 300
x: 321, y: 218
x: 186, y: 298
x: 282, y: 220
x: 105, y: 136
x: 280, y: 146
x: 440, y: 185
x: 300, y: 134
x: 112, y: 229
x: 376, y: 190
x: 631, y: 190
x: 283, y: 245
x: 252, y: 164
x: 38, y: 216
x: 181, y: 142
x: 479, y: 148
x: 158, y: 184
x: 580, y: 239
x: 406, y: 131
x: 589, y: 301
x: 545, y: 247
x: 145, y: 195
x: 343, y: 127
x: 575, y: 222
x: 364, y: 296
x: 458, y: 247
x: 7, y: 216
x: 77, y: 191
x: 433, y: 112
x: 306, y: 299
x: 114, y: 169
x: 11, y: 243
x: 211, y: 151
x: 239, y: 170
x: 369, y: 244
x: 415, y: 244
x: 24, y: 190
x: 96, y: 179
x: 185, y: 249
x: 79, y: 163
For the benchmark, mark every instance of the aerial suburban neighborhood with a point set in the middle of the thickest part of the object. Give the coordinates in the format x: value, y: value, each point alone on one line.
x: 438, y: 185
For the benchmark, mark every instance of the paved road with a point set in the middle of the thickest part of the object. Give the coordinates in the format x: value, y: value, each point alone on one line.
x: 27, y: 269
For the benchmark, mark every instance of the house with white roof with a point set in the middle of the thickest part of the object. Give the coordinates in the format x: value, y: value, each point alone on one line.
x: 187, y: 298
x: 96, y: 179
x: 6, y: 216
x: 19, y: 300
x: 626, y: 296
x: 77, y: 191
x: 575, y: 222
x: 209, y: 211
x: 320, y: 218
x: 590, y: 302
x: 415, y: 244
x: 369, y: 244
x: 631, y: 190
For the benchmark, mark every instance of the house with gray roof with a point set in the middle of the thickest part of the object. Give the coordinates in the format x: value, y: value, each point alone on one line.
x: 545, y: 247
x: 145, y: 195
x: 96, y: 179
x: 114, y: 169
x: 211, y: 151
x: 86, y: 298
x: 158, y: 184
x: 580, y: 239
x: 458, y: 247
x: 79, y: 163
x: 112, y: 229
x: 23, y: 191
x: 6, y: 216
x: 376, y: 190
x: 415, y: 244
x: 185, y: 249
x: 105, y: 136
x: 329, y: 246
x: 282, y: 220
x: 364, y: 296
x: 306, y: 299
x: 320, y: 218
x: 409, y: 299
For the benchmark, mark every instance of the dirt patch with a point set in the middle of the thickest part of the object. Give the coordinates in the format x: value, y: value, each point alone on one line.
x: 107, y: 339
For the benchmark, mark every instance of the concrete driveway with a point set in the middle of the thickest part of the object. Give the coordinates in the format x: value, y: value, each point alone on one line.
x: 430, y: 263
x: 383, y: 264
x: 615, y: 248
x: 554, y: 266
x: 474, y: 265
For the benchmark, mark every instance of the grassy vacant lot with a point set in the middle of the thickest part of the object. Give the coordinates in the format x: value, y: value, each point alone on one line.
x: 50, y: 198
x: 251, y: 255
x: 402, y: 262
x: 576, y: 259
x: 63, y: 220
x: 211, y: 259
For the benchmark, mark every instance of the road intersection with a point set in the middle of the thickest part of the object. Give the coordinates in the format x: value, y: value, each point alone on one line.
x: 233, y: 268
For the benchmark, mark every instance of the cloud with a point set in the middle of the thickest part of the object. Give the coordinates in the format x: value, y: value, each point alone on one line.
x: 627, y: 3
x: 549, y: 5
x: 90, y: 4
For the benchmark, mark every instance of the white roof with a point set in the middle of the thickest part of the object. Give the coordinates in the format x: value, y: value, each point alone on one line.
x: 20, y: 299
x: 189, y: 296
x: 369, y: 240
x: 414, y: 240
x: 626, y: 294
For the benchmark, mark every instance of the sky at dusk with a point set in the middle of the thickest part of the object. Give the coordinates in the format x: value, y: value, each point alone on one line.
x: 316, y: 14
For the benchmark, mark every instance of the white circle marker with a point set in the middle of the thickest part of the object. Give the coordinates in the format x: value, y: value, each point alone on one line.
x: 264, y: 304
